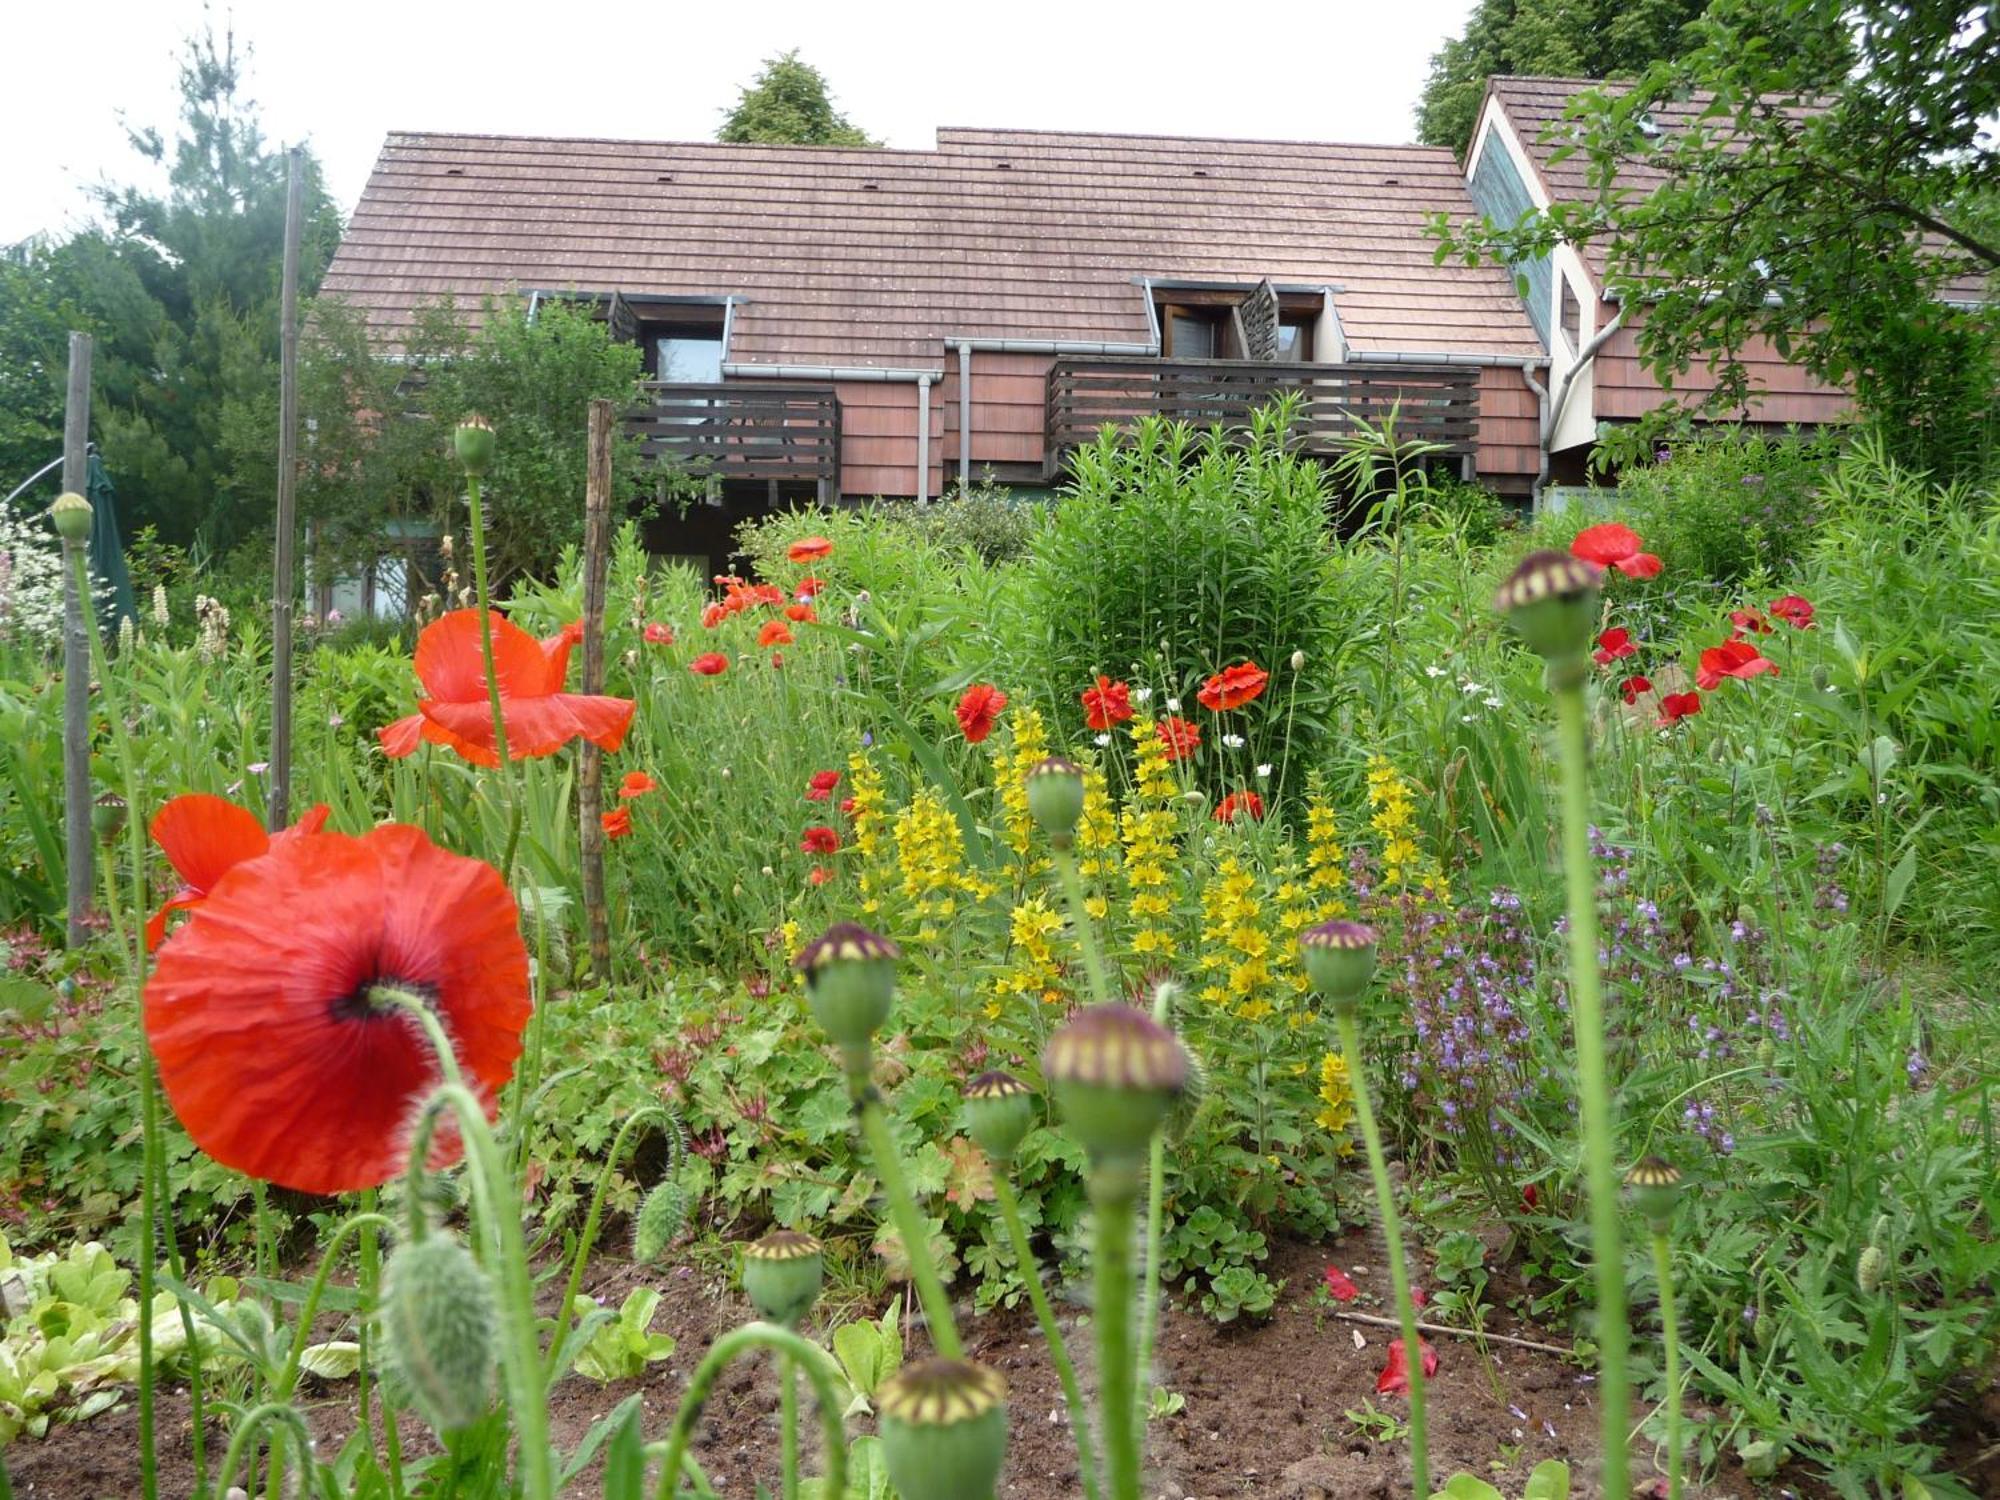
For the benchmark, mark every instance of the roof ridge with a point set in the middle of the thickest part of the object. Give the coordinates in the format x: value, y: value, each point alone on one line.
x: 1181, y: 140
x: 678, y: 145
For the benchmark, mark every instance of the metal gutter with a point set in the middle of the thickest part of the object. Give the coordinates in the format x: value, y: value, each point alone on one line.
x: 923, y: 438
x: 964, y: 415
x: 1051, y: 346
x: 1568, y: 382
x: 831, y: 372
x: 1436, y: 357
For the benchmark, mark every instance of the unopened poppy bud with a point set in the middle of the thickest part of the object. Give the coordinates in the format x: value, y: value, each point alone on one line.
x: 1298, y: 661
x: 437, y: 1318
x: 781, y: 1275
x: 999, y: 1113
x: 850, y: 979
x: 1870, y: 1270
x: 661, y: 1217
x: 475, y: 441
x: 944, y: 1430
x: 1055, y: 798
x: 1551, y: 600
x: 1340, y: 960
x: 1115, y: 1072
x: 1655, y: 1185
x: 71, y: 515
x: 1821, y: 678
x: 107, y: 816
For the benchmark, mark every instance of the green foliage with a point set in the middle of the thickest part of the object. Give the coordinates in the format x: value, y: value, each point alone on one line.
x: 870, y: 1352
x: 788, y: 103
x: 1727, y: 505
x: 984, y: 519
x: 624, y: 1344
x: 1549, y: 1481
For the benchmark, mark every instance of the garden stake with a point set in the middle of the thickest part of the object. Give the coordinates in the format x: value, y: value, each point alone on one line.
x: 720, y: 1353
x: 1656, y: 1187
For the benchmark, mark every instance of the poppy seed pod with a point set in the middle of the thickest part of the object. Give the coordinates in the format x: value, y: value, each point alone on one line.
x: 437, y: 1318
x: 1055, y: 798
x: 1655, y: 1185
x: 781, y: 1275
x: 944, y: 1430
x: 474, y: 440
x: 1340, y: 960
x: 662, y: 1216
x: 999, y: 1112
x: 850, y: 979
x: 107, y: 816
x: 71, y: 515
x: 1551, y: 599
x: 1870, y: 1270
x: 1115, y: 1072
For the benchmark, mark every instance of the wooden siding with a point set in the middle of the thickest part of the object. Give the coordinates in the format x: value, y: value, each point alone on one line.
x: 1625, y: 389
x: 761, y: 430
x: 1009, y: 409
x: 1510, y: 424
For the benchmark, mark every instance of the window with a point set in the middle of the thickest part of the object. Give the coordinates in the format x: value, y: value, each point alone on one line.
x: 691, y: 355
x: 1191, y: 332
x: 1572, y: 316
x: 1295, y: 338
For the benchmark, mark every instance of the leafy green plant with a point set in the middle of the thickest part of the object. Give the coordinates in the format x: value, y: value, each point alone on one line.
x: 624, y: 1343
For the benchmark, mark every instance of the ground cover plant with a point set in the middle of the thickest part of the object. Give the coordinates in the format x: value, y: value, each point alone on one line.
x: 1610, y: 962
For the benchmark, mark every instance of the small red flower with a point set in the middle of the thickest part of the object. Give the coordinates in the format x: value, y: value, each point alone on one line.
x: 1677, y: 706
x: 1395, y: 1377
x: 637, y: 784
x: 1236, y: 804
x: 1733, y: 658
x: 1795, y: 610
x: 657, y: 634
x: 1632, y: 687
x: 819, y: 839
x: 1748, y: 622
x: 1531, y: 1197
x: 1615, y: 546
x: 821, y: 787
x: 713, y: 615
x: 810, y: 588
x: 847, y: 807
x: 820, y: 875
x: 1178, y: 737
x: 1106, y: 704
x: 802, y: 614
x: 774, y: 633
x: 617, y: 823
x: 977, y: 710
x: 809, y: 549
x: 204, y: 838
x: 1614, y: 645
x: 1340, y: 1286
x: 1233, y: 687
x: 709, y: 664
x: 1419, y: 1297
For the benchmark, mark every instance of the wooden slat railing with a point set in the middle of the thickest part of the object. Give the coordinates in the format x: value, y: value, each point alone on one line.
x: 761, y: 430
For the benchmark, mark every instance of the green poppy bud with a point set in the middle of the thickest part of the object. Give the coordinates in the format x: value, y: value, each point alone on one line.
x: 662, y: 1216
x: 944, y: 1430
x: 107, y: 816
x: 71, y: 515
x: 437, y: 1318
x: 1655, y: 1185
x: 1055, y: 798
x: 1115, y: 1072
x: 781, y: 1275
x: 999, y: 1112
x: 1340, y: 960
x: 850, y: 979
x: 475, y: 442
x: 1551, y: 600
x: 1871, y: 1269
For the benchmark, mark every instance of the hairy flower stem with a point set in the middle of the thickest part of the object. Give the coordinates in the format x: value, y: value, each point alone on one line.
x: 1392, y: 1235
x: 1031, y: 1274
x: 1086, y: 932
x: 788, y: 1409
x: 477, y: 527
x: 1663, y: 1272
x: 1587, y: 1020
x: 1156, y: 1182
x: 1113, y: 1192
x: 591, y: 1221
x: 242, y: 1442
x: 909, y: 1226
x: 367, y: 1281
x: 784, y: 1342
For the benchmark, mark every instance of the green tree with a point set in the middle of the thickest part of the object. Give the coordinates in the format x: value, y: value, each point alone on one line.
x: 1563, y: 38
x: 1827, y: 182
x: 788, y: 104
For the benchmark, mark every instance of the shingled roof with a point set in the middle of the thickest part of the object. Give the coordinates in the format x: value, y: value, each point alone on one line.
x: 872, y: 258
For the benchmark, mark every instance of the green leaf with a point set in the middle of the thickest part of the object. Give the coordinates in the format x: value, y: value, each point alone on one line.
x: 1550, y: 1481
x: 1899, y: 882
x: 333, y: 1361
x: 1467, y: 1487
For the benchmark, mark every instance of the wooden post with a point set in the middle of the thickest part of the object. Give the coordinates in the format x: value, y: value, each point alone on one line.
x: 279, y: 806
x: 590, y: 775
x: 77, y: 835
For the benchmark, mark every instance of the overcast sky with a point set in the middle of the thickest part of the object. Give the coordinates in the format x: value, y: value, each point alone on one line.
x: 339, y: 74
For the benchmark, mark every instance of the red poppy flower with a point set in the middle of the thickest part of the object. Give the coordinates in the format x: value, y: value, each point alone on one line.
x: 777, y: 658
x: 540, y: 717
x: 977, y: 710
x: 774, y: 633
x: 1531, y: 1197
x: 810, y: 588
x: 821, y: 786
x: 275, y: 1048
x: 1677, y: 706
x: 820, y: 875
x: 1732, y: 658
x: 713, y: 615
x: 808, y: 549
x: 1614, y: 645
x: 658, y: 634
x: 1632, y: 687
x: 1236, y: 804
x: 846, y: 806
x: 637, y: 784
x: 1795, y: 610
x: 1178, y: 737
x: 802, y: 614
x: 1106, y: 704
x: 617, y: 823
x: 768, y: 594
x: 819, y: 839
x: 709, y: 664
x: 1233, y: 687
x: 1340, y: 1286
x: 1395, y: 1377
x: 1748, y: 622
x: 1615, y: 546
x: 204, y: 838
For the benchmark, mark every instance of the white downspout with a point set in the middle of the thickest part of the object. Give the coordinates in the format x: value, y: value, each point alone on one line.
x: 964, y: 416
x: 923, y: 438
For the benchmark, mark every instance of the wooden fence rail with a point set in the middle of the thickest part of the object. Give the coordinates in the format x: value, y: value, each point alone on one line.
x: 760, y: 430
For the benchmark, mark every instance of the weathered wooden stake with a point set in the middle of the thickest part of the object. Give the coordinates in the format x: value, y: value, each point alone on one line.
x: 77, y: 834
x: 590, y: 779
x: 278, y: 808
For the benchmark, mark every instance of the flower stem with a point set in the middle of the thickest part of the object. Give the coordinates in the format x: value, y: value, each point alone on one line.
x: 788, y: 1404
x: 720, y: 1353
x: 1392, y: 1235
x: 910, y: 1226
x: 591, y: 1221
x: 1113, y: 1192
x: 289, y: 1379
x: 1086, y: 931
x: 1156, y: 1192
x: 1031, y: 1274
x: 241, y: 1445
x: 1587, y: 1021
x: 1663, y: 1271
x: 485, y: 602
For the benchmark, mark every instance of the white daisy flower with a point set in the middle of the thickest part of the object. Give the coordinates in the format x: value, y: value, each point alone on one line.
x: 1264, y: 771
x: 1142, y: 694
x: 1434, y: 671
x: 1103, y: 740
x: 1173, y: 705
x: 1233, y: 741
x: 1493, y: 703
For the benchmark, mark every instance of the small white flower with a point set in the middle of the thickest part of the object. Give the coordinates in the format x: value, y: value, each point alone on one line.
x: 1173, y: 705
x: 1103, y: 740
x: 1264, y: 771
x: 1493, y: 703
x: 1233, y: 741
x: 1465, y: 718
x: 1470, y: 688
x: 1434, y: 671
x: 1142, y: 695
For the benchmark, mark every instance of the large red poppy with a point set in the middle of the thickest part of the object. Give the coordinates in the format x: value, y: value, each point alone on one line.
x: 658, y: 634
x: 808, y: 549
x: 1733, y: 658
x: 274, y: 1046
x: 977, y: 710
x: 1178, y: 737
x: 774, y: 633
x: 540, y: 717
x: 1239, y: 804
x: 819, y: 839
x: 1615, y: 546
x: 1233, y: 687
x: 1677, y: 706
x: 204, y: 838
x: 1632, y: 687
x: 1614, y: 645
x: 1748, y: 622
x: 636, y: 784
x: 709, y: 664
x: 1106, y: 704
x: 821, y: 784
x: 1795, y: 610
x: 617, y: 823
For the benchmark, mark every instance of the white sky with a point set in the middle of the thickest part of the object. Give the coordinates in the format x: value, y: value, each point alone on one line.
x: 341, y: 73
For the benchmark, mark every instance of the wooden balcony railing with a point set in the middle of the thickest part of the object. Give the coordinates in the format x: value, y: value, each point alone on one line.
x: 751, y: 430
x: 1435, y: 403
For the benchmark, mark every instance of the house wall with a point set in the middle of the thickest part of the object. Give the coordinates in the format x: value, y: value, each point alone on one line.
x: 1625, y: 389
x: 1009, y: 410
x: 878, y: 438
x: 1510, y: 420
